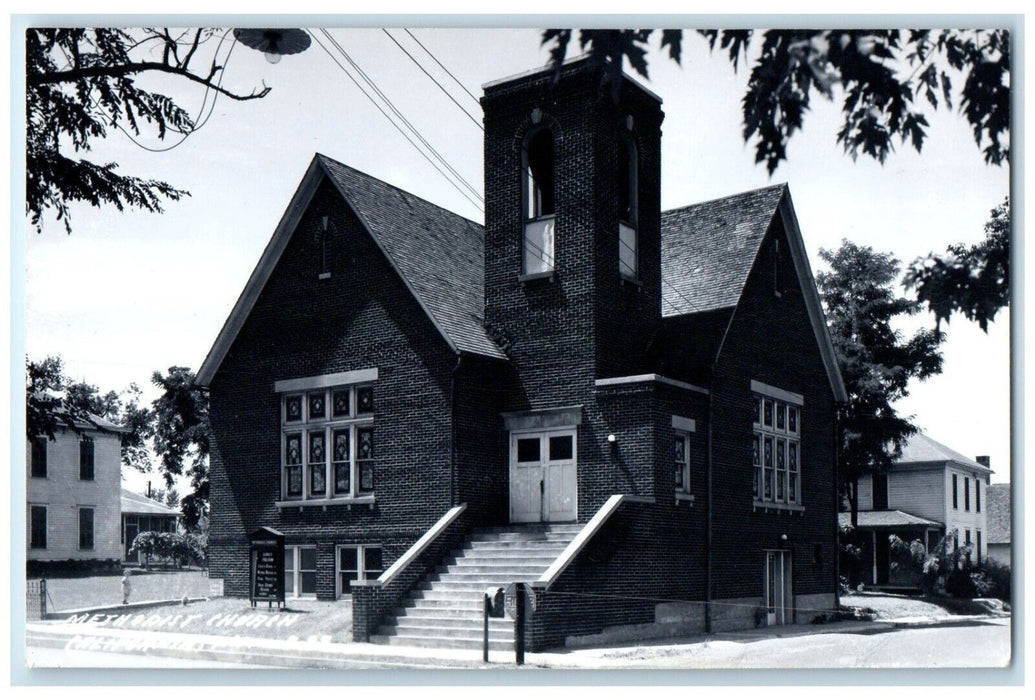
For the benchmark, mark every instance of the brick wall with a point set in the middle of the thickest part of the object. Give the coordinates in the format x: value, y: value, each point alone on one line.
x: 63, y: 492
x: 772, y: 341
x: 301, y: 326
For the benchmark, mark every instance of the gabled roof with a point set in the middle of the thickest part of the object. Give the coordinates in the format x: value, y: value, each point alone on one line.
x: 438, y: 255
x: 137, y: 504
x: 997, y: 506
x: 709, y: 249
x: 886, y: 518
x: 921, y: 448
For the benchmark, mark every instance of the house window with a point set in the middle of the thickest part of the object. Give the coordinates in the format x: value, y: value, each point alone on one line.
x: 357, y: 563
x: 955, y: 493
x: 299, y: 572
x: 880, y: 491
x: 977, y: 547
x: 628, y: 248
x: 966, y: 493
x: 538, y: 190
x: 86, y: 459
x: 327, y: 443
x: 977, y: 495
x: 39, y: 457
x: 85, y: 528
x: 38, y: 527
x: 776, y: 449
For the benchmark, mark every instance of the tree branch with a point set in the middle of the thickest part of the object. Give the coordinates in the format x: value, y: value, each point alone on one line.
x: 134, y: 68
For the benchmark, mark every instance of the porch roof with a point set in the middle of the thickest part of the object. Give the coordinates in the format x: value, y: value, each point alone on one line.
x: 886, y: 519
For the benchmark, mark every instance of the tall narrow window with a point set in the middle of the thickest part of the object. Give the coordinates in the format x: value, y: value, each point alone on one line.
x: 85, y: 528
x: 39, y: 457
x: 628, y: 249
x: 955, y: 492
x: 538, y: 175
x: 86, y: 459
x: 776, y: 450
x: 966, y: 493
x: 38, y: 527
x: 880, y: 491
x: 977, y: 495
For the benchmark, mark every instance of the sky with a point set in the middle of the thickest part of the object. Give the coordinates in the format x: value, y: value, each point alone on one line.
x: 130, y: 293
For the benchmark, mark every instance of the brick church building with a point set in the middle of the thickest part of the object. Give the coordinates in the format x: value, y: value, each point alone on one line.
x: 632, y: 410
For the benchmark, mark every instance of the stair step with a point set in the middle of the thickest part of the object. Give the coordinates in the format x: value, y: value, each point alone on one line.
x: 441, y: 642
x: 488, y: 572
x: 440, y: 612
x: 424, y: 631
x: 484, y: 557
x: 475, y: 623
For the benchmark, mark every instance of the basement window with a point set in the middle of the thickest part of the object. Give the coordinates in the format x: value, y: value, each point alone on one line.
x: 357, y: 563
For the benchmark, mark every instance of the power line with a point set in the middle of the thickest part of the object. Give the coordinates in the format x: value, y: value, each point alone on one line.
x: 455, y: 79
x: 432, y: 78
x: 416, y: 132
x: 397, y: 127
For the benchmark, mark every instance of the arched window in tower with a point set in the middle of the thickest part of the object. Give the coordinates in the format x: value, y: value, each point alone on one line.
x: 628, y: 249
x: 538, y: 193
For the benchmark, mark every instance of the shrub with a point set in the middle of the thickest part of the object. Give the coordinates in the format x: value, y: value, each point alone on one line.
x: 170, y: 546
x: 992, y: 580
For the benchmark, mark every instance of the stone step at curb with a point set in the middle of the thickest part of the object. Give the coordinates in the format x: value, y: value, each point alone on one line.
x: 469, y: 633
x: 474, y: 622
x: 440, y: 642
x: 429, y: 613
x: 469, y: 602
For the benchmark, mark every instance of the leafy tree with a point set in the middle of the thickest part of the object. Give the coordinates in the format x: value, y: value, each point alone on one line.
x: 81, y: 83
x: 886, y: 80
x: 182, y: 437
x: 51, y: 401
x: 876, y: 362
x: 973, y: 281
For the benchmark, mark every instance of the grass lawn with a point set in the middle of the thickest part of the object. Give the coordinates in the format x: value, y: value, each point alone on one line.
x: 307, y: 620
x: 90, y: 591
x: 889, y: 606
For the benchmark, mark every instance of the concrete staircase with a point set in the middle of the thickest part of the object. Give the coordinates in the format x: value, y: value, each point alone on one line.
x: 445, y: 608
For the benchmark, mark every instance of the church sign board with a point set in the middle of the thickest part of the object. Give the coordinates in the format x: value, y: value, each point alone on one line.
x: 266, y: 576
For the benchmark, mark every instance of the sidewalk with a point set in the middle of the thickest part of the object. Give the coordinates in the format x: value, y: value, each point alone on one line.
x: 317, y: 654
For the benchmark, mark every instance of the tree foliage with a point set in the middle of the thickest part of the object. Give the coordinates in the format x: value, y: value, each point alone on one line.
x: 81, y: 83
x: 973, y: 281
x: 877, y: 362
x: 182, y: 436
x: 886, y: 80
x: 53, y: 402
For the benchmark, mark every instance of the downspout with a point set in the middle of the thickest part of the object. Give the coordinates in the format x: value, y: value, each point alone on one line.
x: 708, y: 511
x: 452, y: 432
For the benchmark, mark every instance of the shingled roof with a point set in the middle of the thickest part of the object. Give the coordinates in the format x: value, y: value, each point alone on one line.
x: 708, y: 249
x: 439, y: 254
x: 886, y: 518
x: 921, y: 448
x: 997, y: 505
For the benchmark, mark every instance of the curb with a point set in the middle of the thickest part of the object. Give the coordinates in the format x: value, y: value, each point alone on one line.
x: 128, y: 607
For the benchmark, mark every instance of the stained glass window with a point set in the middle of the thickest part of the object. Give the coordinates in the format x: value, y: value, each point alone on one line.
x: 365, y: 399
x: 792, y: 472
x: 792, y: 419
x: 777, y: 470
x: 780, y: 420
x: 767, y: 416
x: 342, y: 406
x: 317, y: 409
x: 293, y: 408
x: 781, y: 468
x: 768, y: 462
x: 366, y: 443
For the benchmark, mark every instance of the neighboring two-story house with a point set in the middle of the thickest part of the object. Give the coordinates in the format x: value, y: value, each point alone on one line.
x: 999, y: 523
x: 930, y: 492
x: 633, y: 410
x: 72, y: 497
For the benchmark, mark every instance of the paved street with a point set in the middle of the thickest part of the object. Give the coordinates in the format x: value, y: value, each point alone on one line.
x: 962, y: 643
x: 984, y: 643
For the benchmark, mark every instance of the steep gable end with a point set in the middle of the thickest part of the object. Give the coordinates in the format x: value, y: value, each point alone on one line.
x: 437, y: 254
x: 708, y: 251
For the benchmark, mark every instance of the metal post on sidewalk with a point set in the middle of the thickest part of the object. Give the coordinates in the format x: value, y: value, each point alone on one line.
x: 485, y: 627
x: 519, y: 625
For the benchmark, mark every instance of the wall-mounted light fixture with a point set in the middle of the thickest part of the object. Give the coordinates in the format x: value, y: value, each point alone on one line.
x: 612, y: 439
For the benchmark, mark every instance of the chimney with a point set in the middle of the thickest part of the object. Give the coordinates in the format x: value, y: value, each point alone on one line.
x: 984, y: 461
